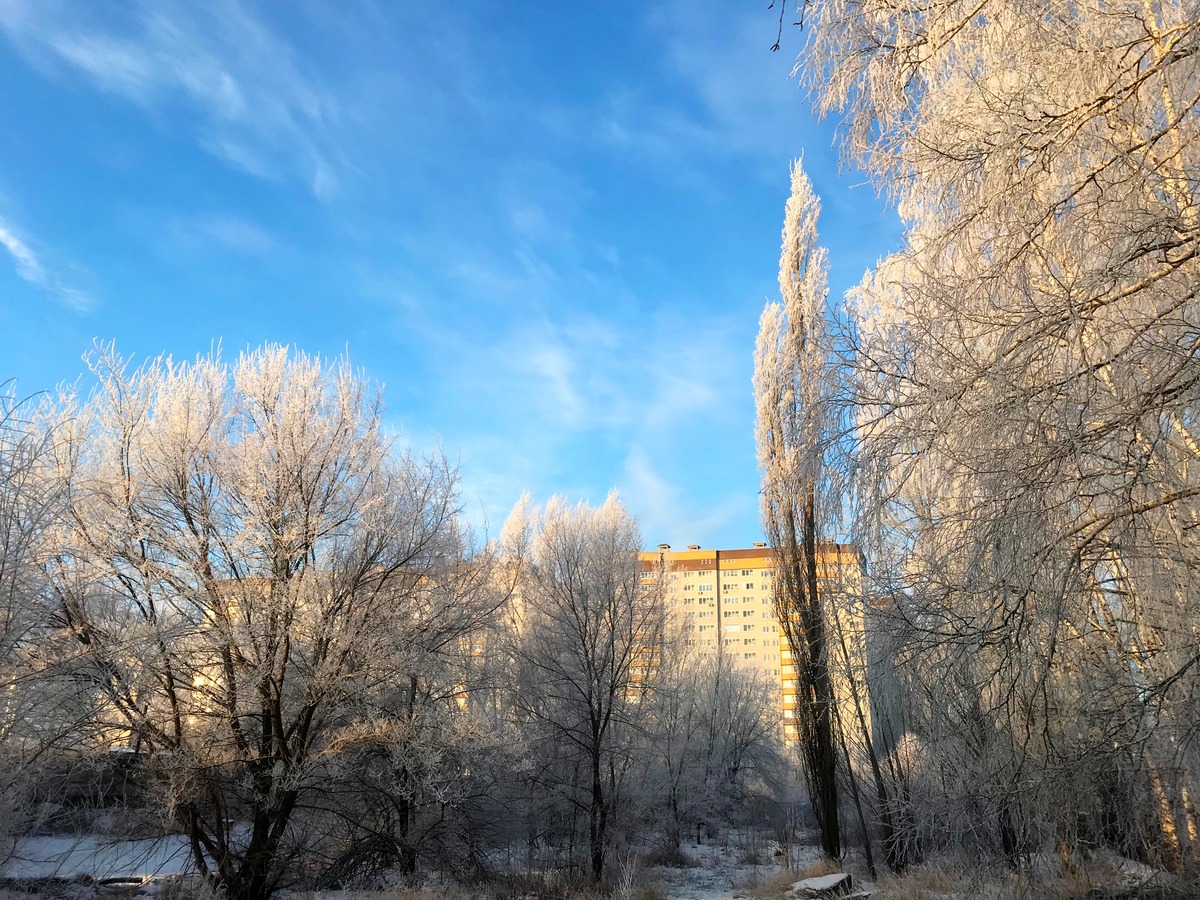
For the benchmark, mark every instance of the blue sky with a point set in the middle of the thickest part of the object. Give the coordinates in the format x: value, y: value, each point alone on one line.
x: 547, y: 228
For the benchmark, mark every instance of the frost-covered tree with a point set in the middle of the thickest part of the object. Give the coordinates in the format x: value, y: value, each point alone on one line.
x: 1028, y: 377
x: 26, y: 510
x: 792, y: 388
x: 715, y: 741
x: 263, y: 593
x: 588, y: 648
x: 32, y: 715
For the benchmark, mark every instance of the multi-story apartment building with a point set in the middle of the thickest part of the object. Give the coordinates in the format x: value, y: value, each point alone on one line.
x: 723, y: 601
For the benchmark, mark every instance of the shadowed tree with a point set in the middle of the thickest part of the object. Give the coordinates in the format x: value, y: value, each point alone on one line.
x: 588, y: 648
x: 716, y: 739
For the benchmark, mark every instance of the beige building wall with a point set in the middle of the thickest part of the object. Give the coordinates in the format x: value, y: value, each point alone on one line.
x: 724, y: 601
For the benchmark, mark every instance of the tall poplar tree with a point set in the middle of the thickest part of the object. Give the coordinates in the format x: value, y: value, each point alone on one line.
x: 790, y: 383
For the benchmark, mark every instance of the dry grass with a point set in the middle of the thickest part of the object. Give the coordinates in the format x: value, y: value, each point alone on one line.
x: 669, y: 857
x: 750, y: 855
x: 774, y: 887
x: 817, y: 868
x: 396, y: 893
x: 919, y: 883
x: 650, y: 891
x: 933, y: 882
x: 551, y: 886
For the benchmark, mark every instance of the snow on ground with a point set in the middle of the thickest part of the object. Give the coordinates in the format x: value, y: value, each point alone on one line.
x: 97, y: 857
x: 722, y: 871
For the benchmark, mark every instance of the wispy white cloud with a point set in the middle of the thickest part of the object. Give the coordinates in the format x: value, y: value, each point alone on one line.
x: 673, y: 512
x: 115, y: 66
x: 238, y: 234
x: 748, y: 106
x: 559, y: 366
x: 746, y: 94
x: 224, y: 230
x: 737, y: 101
x: 30, y: 268
x: 258, y: 110
x: 693, y: 408
x: 569, y: 377
x: 643, y: 401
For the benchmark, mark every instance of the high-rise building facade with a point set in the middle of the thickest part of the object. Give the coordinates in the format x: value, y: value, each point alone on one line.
x: 724, y: 601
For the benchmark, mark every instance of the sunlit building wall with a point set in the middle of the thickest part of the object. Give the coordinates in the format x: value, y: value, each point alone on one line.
x: 724, y: 601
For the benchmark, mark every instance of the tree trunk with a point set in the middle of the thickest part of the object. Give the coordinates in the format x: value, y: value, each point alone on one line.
x: 822, y: 753
x: 598, y: 822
